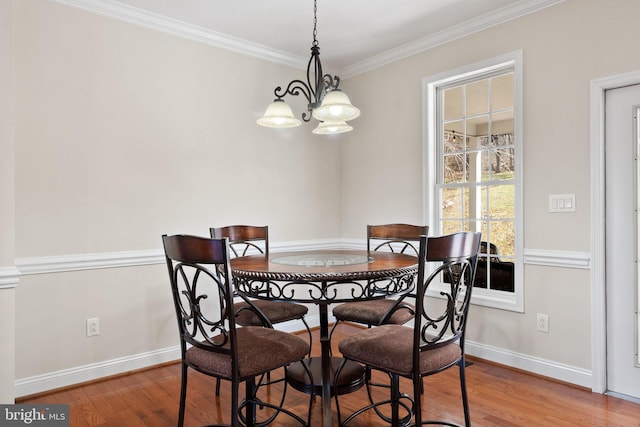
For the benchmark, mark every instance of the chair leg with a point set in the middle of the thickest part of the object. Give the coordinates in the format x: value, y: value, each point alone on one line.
x: 250, y: 391
x: 235, y: 404
x: 395, y: 400
x: 183, y: 395
x: 463, y: 389
x: 418, y: 389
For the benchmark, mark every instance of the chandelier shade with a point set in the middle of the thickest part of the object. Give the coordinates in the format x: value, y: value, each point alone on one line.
x: 325, y: 101
x: 328, y: 128
x: 336, y: 107
x: 278, y: 115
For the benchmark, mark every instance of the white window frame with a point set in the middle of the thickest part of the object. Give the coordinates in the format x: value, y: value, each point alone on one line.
x: 513, y: 301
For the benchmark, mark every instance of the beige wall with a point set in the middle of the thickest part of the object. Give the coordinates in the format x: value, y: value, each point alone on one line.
x: 563, y: 47
x: 124, y: 133
x: 8, y: 273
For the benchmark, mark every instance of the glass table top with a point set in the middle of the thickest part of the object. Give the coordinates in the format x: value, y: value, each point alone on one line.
x: 321, y: 259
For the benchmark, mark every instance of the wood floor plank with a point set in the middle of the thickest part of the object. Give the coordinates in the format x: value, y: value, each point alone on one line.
x: 499, y: 396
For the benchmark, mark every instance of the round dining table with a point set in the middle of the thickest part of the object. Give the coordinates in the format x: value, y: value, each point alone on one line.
x: 324, y: 277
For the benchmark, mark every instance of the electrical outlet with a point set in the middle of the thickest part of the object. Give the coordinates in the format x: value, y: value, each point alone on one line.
x: 93, y: 326
x: 543, y: 323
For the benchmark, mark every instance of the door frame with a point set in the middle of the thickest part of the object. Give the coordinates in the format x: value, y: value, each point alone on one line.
x: 598, y: 264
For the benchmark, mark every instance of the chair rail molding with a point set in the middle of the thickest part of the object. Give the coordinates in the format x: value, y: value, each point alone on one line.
x: 94, y: 261
x: 554, y: 258
x: 9, y: 277
x: 91, y: 261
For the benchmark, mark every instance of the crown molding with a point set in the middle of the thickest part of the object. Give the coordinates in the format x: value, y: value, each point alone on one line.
x: 136, y: 16
x: 143, y: 18
x: 463, y: 29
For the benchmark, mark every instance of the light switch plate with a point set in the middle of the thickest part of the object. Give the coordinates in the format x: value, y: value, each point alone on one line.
x: 562, y: 203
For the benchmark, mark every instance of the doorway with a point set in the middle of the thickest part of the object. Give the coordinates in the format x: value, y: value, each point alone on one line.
x: 621, y: 240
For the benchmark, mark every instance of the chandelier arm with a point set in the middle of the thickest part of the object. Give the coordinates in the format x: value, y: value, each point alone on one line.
x: 295, y: 88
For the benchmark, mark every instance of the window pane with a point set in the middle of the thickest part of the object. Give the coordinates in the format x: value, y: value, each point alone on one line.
x: 453, y: 168
x: 477, y: 97
x: 502, y: 123
x: 482, y: 275
x: 477, y: 128
x: 474, y: 171
x: 453, y: 136
x: 502, y: 92
x: 501, y: 201
x: 484, y: 141
x: 500, y: 275
x: 452, y: 203
x: 453, y: 103
x: 502, y: 163
x: 449, y: 227
x: 502, y: 235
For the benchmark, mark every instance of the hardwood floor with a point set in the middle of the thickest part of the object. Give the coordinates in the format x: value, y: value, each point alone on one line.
x: 498, y: 396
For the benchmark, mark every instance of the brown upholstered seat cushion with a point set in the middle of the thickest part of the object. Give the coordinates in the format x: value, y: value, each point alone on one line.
x: 389, y: 347
x: 371, y: 312
x: 275, y: 311
x: 260, y: 350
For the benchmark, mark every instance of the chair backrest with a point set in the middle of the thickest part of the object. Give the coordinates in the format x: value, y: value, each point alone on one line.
x: 450, y: 260
x: 402, y: 238
x: 201, y: 285
x: 244, y: 239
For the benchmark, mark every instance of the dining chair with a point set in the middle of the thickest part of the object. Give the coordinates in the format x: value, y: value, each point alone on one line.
x: 254, y: 240
x: 401, y: 238
x: 436, y: 340
x: 210, y: 343
x: 249, y: 240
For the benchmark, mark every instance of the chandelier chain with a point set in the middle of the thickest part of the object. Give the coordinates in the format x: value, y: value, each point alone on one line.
x: 315, y: 23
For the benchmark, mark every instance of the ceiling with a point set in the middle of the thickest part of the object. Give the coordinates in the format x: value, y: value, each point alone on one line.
x: 354, y: 35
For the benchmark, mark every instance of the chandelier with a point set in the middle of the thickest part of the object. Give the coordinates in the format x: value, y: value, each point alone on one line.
x: 326, y: 102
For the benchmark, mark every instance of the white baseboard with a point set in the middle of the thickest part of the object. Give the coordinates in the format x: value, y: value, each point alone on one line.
x: 95, y: 371
x: 548, y: 368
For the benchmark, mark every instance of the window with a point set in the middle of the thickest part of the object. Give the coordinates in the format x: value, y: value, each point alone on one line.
x: 473, y: 169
